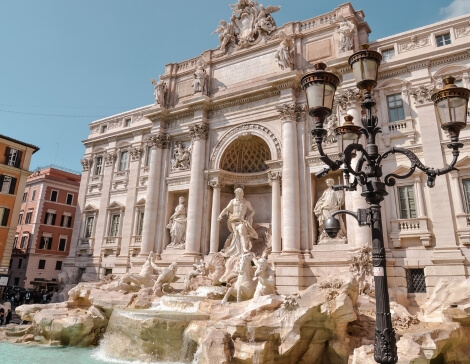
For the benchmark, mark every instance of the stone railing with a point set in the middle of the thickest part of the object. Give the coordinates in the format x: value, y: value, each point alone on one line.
x: 320, y: 20
x: 111, y: 246
x: 136, y: 243
x: 403, y: 229
x: 85, y: 246
x: 463, y: 228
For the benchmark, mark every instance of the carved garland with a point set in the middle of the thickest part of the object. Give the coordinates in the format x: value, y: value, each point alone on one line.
x: 236, y: 131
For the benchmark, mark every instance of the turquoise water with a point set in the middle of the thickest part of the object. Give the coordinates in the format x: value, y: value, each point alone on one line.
x: 31, y: 354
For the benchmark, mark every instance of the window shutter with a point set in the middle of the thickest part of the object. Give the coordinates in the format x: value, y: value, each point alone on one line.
x: 7, y: 153
x: 62, y: 220
x: 1, y: 181
x: 45, y: 218
x: 6, y: 213
x: 69, y: 224
x: 18, y: 159
x: 53, y: 219
x: 12, y: 186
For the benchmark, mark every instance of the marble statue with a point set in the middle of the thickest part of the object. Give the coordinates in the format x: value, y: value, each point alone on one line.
x: 285, y: 52
x: 266, y: 279
x: 346, y: 32
x: 226, y: 35
x: 181, y: 157
x: 240, y: 224
x: 331, y: 124
x: 136, y: 281
x: 177, y: 226
x: 329, y: 202
x: 168, y: 275
x: 264, y: 21
x: 244, y: 288
x: 160, y: 91
x: 199, y: 82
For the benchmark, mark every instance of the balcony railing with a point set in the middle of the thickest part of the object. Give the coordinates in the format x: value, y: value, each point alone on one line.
x: 410, y: 228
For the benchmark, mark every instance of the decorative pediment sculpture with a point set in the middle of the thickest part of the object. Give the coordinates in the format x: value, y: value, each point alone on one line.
x: 346, y: 30
x: 160, y: 92
x: 200, y: 77
x: 285, y: 51
x: 248, y: 23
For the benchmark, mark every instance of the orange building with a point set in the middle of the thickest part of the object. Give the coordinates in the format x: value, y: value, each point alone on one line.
x: 15, y: 158
x: 44, y: 230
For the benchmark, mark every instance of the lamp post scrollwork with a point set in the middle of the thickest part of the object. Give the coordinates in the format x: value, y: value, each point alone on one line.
x: 451, y: 111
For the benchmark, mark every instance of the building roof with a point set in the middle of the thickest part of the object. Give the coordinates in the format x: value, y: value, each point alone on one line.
x: 20, y: 142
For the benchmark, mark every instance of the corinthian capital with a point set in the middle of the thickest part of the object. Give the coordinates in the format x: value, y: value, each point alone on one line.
x: 110, y: 158
x: 422, y: 94
x: 290, y: 112
x: 199, y: 131
x: 159, y: 140
x: 86, y: 163
x: 136, y: 152
x: 349, y: 98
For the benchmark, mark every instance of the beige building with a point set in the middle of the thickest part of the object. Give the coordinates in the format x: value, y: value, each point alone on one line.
x: 235, y: 117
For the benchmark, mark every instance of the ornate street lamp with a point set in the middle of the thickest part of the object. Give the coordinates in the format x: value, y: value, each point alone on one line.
x: 451, y: 111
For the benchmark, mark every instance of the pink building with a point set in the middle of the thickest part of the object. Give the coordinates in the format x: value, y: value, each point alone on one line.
x: 44, y: 229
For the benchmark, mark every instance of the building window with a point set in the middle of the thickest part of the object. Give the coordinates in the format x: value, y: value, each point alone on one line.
x: 54, y: 195
x: 62, y: 244
x: 16, y: 281
x: 4, y: 214
x: 415, y: 280
x: 104, y: 128
x: 33, y: 197
x: 89, y: 226
x: 127, y: 123
x: 58, y: 265
x: 114, y: 225
x: 20, y: 263
x: 388, y: 54
x: 123, y: 161
x: 49, y: 219
x: 45, y: 243
x: 20, y: 218
x: 98, y: 165
x: 29, y: 215
x: 7, y: 184
x: 466, y: 191
x: 407, y: 203
x: 66, y: 221
x: 443, y: 39
x: 24, y: 240
x: 42, y: 264
x: 13, y: 157
x: 140, y: 223
x: 395, y: 108
x: 25, y: 196
x: 15, y: 242
x: 108, y: 271
x: 69, y: 200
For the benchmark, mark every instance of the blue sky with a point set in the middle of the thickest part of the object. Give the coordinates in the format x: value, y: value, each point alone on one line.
x: 87, y: 59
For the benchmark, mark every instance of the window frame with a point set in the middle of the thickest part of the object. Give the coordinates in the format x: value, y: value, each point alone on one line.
x: 441, y: 38
x: 412, y: 288
x: 67, y: 199
x: 24, y: 241
x: 4, y: 216
x: 387, y: 54
x: 98, y: 165
x: 394, y: 112
x: 29, y: 216
x: 56, y: 196
x: 466, y: 193
x: 62, y: 238
x: 123, y: 161
x: 114, y: 224
x: 45, y: 242
x: 89, y: 233
x: 408, y: 187
x: 42, y: 264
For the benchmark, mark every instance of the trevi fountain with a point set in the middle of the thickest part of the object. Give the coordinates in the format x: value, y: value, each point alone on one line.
x: 209, y: 247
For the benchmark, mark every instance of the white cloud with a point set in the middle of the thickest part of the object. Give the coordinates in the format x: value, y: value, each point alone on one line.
x: 456, y: 8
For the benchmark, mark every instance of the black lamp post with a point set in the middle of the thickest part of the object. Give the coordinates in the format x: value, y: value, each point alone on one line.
x: 451, y: 111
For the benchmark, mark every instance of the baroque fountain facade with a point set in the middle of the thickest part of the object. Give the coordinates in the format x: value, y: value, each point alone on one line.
x: 209, y: 195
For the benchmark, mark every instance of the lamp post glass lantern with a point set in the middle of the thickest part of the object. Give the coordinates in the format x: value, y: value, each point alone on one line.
x: 451, y: 111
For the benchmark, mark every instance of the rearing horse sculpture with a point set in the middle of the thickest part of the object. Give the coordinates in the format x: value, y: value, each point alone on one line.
x: 245, y: 286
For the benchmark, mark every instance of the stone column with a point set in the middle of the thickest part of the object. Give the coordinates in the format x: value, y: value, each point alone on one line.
x: 457, y: 193
x: 419, y: 196
x: 275, y: 182
x: 163, y: 200
x: 199, y: 133
x: 290, y: 175
x: 214, y: 234
x: 304, y: 215
x: 156, y: 142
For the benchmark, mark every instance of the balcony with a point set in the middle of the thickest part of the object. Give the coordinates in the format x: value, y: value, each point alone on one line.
x: 410, y: 228
x: 463, y: 228
x: 136, y: 243
x: 111, y: 245
x: 85, y: 246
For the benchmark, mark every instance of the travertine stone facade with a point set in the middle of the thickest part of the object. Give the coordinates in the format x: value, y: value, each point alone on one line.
x: 125, y: 202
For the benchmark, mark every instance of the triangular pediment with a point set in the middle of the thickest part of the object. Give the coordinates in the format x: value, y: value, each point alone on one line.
x: 90, y: 208
x: 141, y: 202
x: 392, y: 83
x: 463, y: 163
x: 403, y: 170
x: 115, y: 206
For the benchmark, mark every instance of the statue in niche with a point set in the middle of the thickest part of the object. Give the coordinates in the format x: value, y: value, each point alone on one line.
x: 331, y: 124
x: 160, y: 91
x: 346, y: 32
x: 330, y: 202
x: 285, y: 52
x: 199, y: 82
x: 226, y: 34
x: 240, y: 225
x: 181, y: 157
x: 177, y: 226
